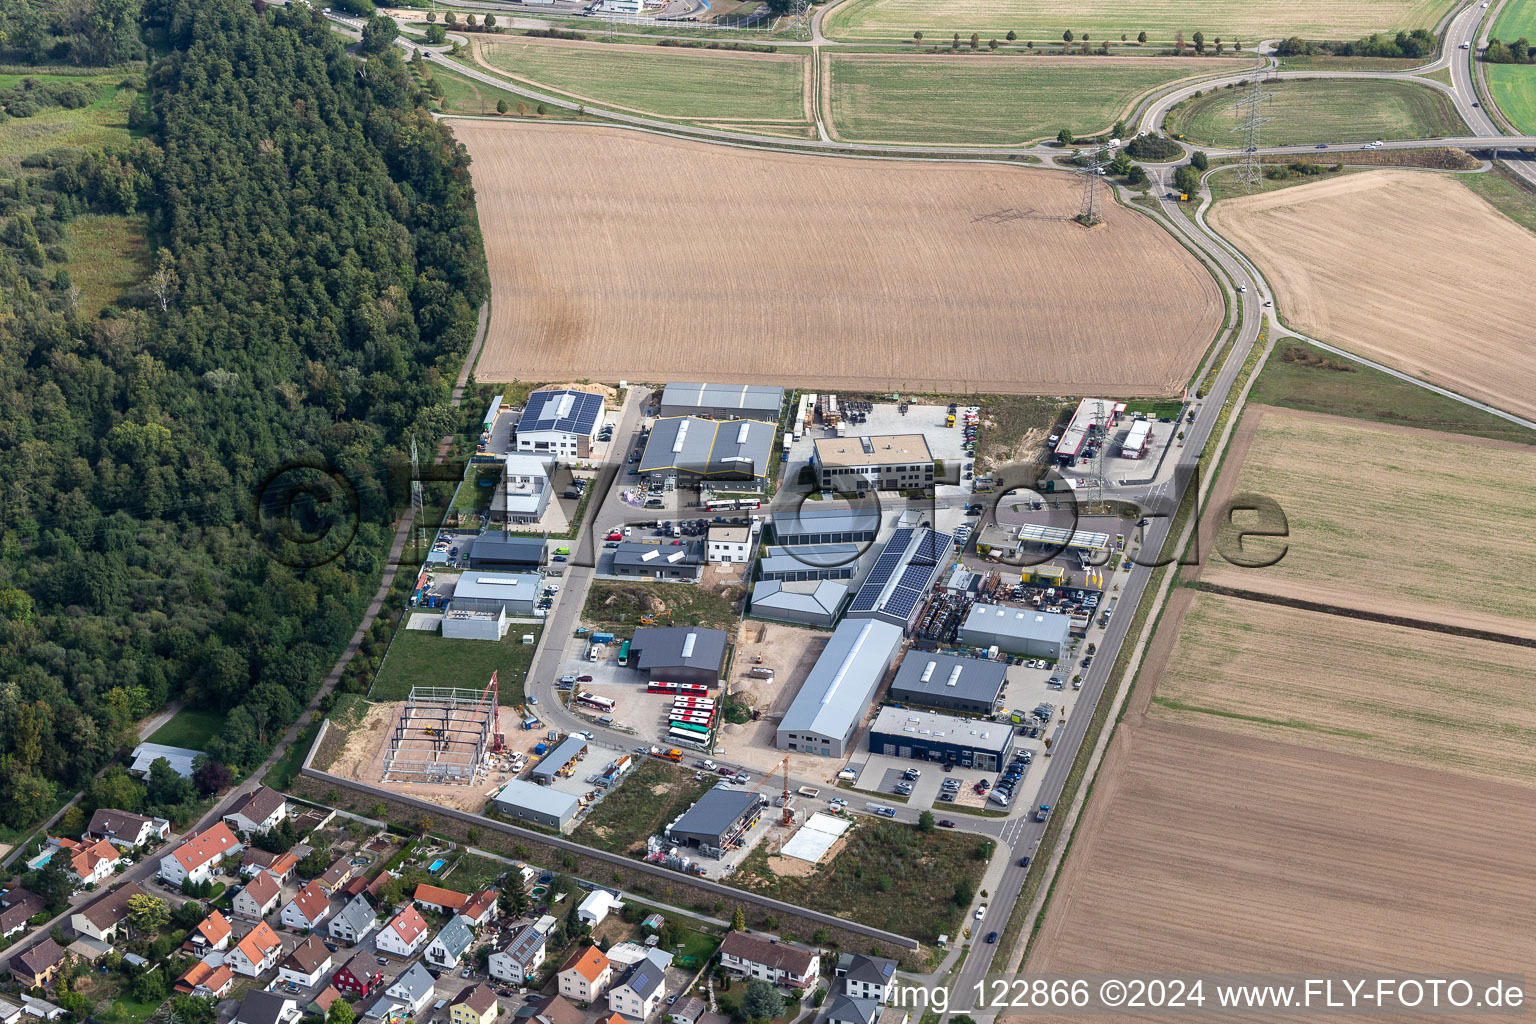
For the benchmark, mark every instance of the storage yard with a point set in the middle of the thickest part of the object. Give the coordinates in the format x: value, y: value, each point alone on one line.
x: 1432, y: 303
x: 901, y: 252
x: 1388, y: 519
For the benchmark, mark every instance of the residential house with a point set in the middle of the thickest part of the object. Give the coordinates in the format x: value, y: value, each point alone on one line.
x: 281, y: 865
x: 88, y: 950
x: 206, y: 979
x: 615, y: 1019
x: 778, y: 962
x: 359, y: 977
x: 555, y: 1009
x: 257, y: 811
x: 845, y: 1009
x: 36, y: 967
x: 407, y: 996
x: 103, y: 917
x: 354, y: 920
x: 596, y: 907
x: 442, y: 901
x: 91, y: 862
x: 199, y: 855
x: 404, y: 935
x: 336, y: 876
x: 17, y: 907
x: 450, y: 944
x: 256, y: 953
x: 261, y: 1007
x: 321, y: 1004
x: 125, y: 829
x: 640, y: 991
x: 258, y: 898
x: 306, y: 965
x: 624, y: 955
x: 586, y: 975
x: 482, y: 908
x: 309, y: 906
x: 214, y: 932
x: 866, y: 977
x: 476, y: 1005
x: 517, y: 961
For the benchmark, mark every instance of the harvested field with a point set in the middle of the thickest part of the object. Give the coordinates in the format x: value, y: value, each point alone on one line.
x: 819, y: 270
x: 1202, y: 850
x: 1044, y: 20
x: 1407, y: 696
x: 1391, y: 519
x: 932, y: 98
x: 1447, y: 300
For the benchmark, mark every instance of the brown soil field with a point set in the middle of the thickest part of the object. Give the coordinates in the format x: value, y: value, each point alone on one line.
x: 616, y: 254
x: 1402, y: 695
x: 1389, y: 519
x: 1206, y: 851
x: 1407, y: 268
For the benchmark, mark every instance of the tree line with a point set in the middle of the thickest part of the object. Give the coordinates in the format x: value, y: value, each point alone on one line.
x: 314, y: 285
x: 1418, y: 43
x: 1517, y: 52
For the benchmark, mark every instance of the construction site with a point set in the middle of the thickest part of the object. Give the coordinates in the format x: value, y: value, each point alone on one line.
x: 443, y: 735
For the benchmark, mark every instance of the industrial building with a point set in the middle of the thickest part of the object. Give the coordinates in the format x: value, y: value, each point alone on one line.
x: 679, y: 654
x: 723, y: 401
x: 1034, y: 542
x: 801, y: 604
x: 538, y: 804
x: 1137, y: 440
x: 895, y: 589
x: 839, y: 688
x: 683, y: 561
x: 814, y: 524
x: 562, y: 421
x: 927, y: 735
x: 1094, y: 419
x: 717, y: 820
x: 467, y: 624
x: 821, y: 562
x: 731, y: 544
x: 512, y: 593
x: 686, y: 449
x: 560, y: 761
x: 948, y: 682
x: 883, y: 462
x: 1021, y: 631
x: 500, y: 550
x: 525, y: 490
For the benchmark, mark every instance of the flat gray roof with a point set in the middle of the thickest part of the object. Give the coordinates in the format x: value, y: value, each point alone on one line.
x: 977, y: 733
x: 537, y: 798
x: 944, y: 675
x: 818, y: 517
x: 498, y: 586
x: 656, y: 556
x: 1023, y: 623
x: 745, y: 398
x: 709, y: 447
x: 841, y: 684
x: 811, y: 556
x: 678, y: 647
x: 715, y: 811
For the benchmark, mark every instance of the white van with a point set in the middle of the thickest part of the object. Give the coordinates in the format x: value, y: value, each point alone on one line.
x: 1001, y: 798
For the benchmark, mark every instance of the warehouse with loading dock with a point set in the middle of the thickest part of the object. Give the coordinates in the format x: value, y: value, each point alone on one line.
x: 679, y: 654
x: 929, y: 736
x: 717, y: 820
x: 812, y: 524
x: 499, y: 550
x: 953, y: 684
x: 559, y: 761
x: 723, y: 401
x: 801, y: 603
x: 538, y: 804
x: 840, y: 688
x: 689, y: 450
x: 1021, y: 631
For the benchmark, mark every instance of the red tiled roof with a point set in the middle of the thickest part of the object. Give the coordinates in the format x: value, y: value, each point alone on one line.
x: 445, y: 898
x: 259, y: 942
x: 215, y: 928
x: 590, y: 963
x: 312, y: 902
x: 408, y: 924
x: 205, y: 846
x: 263, y: 887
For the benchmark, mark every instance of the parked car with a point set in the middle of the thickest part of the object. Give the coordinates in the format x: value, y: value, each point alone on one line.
x: 532, y: 699
x: 981, y: 912
x: 583, y: 679
x: 946, y: 823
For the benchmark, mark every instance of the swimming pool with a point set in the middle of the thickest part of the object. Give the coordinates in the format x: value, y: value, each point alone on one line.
x: 436, y: 866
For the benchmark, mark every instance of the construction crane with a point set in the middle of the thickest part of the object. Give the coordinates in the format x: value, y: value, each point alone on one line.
x: 786, y: 818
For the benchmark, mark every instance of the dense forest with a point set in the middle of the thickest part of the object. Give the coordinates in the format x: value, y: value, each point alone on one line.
x: 315, y: 272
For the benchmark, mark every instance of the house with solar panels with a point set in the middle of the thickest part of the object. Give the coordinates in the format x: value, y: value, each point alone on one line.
x: 840, y: 688
x: 559, y: 422
x: 689, y: 450
x: 898, y: 585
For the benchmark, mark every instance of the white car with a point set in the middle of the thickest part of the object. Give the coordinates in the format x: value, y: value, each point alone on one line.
x: 628, y: 531
x: 981, y: 912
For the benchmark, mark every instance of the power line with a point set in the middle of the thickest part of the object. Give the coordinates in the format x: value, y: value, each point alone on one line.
x: 1249, y: 110
x: 1088, y: 211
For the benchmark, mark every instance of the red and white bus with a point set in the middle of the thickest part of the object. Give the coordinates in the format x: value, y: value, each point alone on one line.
x: 732, y: 504
x: 688, y: 689
x: 592, y: 700
x: 661, y: 687
x: 698, y: 703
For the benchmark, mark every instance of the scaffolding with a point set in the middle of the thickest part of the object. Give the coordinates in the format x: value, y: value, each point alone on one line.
x: 442, y: 736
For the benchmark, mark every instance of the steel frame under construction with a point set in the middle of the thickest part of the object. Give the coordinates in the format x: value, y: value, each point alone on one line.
x: 442, y: 735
